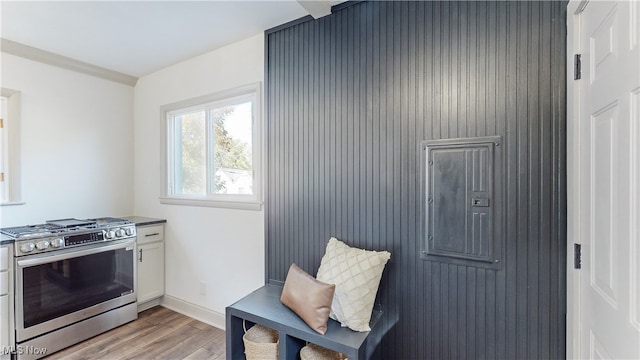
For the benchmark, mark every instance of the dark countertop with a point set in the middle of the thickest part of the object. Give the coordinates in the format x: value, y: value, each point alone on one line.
x: 5, y: 240
x: 142, y: 221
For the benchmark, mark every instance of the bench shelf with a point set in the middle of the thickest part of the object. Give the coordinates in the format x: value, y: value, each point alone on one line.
x: 263, y: 307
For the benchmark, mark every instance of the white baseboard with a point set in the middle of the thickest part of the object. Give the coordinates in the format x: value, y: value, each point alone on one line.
x: 197, y: 312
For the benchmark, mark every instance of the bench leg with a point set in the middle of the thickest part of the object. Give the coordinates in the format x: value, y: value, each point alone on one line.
x: 235, y: 346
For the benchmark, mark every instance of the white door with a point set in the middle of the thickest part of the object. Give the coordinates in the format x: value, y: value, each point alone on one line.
x: 606, y: 101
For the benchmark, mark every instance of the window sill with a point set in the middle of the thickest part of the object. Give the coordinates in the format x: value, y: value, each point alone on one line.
x: 11, y: 203
x: 239, y: 205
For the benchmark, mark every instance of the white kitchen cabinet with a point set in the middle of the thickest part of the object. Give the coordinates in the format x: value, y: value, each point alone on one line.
x: 6, y: 301
x: 150, y: 263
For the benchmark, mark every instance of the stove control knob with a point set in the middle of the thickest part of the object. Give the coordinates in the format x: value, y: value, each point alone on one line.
x: 110, y: 234
x: 129, y: 231
x: 56, y: 243
x: 27, y: 247
x: 120, y: 233
x: 41, y: 245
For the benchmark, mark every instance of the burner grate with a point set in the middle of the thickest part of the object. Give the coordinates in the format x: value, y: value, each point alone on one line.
x: 33, y: 230
x: 109, y: 221
x: 70, y: 223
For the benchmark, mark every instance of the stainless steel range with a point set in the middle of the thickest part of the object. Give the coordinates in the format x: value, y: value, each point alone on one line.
x: 74, y: 279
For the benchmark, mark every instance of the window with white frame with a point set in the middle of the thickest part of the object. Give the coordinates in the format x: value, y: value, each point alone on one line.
x: 10, y: 181
x: 4, y: 153
x: 212, y: 150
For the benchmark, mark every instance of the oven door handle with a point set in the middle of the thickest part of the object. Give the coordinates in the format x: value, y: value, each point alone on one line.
x: 72, y: 254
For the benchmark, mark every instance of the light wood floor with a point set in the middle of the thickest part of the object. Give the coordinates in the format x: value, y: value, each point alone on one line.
x: 158, y: 333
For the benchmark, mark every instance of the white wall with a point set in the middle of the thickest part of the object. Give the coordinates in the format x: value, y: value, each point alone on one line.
x: 76, y: 142
x: 222, y: 247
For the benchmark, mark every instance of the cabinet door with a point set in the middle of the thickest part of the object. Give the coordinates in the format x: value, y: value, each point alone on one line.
x: 4, y: 321
x: 6, y: 301
x: 4, y: 258
x: 150, y: 271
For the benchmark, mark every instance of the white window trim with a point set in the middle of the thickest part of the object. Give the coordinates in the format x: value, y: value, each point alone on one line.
x: 13, y: 176
x: 230, y: 201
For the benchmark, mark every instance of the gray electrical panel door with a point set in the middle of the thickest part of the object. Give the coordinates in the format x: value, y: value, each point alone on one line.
x: 461, y: 201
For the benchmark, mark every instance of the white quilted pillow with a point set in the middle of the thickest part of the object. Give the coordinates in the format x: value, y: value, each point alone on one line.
x: 356, y: 274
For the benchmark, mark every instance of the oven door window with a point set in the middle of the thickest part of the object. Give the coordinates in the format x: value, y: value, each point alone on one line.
x: 58, y: 288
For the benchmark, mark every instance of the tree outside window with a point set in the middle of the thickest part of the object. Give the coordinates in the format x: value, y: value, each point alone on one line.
x: 211, y: 149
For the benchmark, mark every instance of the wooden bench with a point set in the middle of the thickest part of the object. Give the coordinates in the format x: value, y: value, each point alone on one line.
x: 263, y: 307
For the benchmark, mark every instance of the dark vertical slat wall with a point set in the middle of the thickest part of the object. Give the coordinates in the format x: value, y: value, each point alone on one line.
x: 349, y: 98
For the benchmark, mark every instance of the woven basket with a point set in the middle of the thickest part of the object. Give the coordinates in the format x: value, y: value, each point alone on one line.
x: 260, y: 343
x: 315, y: 352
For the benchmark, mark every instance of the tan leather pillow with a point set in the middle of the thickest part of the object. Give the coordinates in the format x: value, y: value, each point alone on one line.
x: 309, y: 298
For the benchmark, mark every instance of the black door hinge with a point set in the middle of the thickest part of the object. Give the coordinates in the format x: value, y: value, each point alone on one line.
x: 577, y: 256
x: 577, y: 67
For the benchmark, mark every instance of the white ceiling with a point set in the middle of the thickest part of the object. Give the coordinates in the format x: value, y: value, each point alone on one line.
x: 139, y: 37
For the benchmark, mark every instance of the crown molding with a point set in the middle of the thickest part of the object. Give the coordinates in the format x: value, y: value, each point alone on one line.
x: 315, y: 8
x: 31, y: 53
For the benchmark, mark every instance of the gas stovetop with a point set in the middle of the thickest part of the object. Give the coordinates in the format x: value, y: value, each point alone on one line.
x: 62, y: 227
x: 65, y: 233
